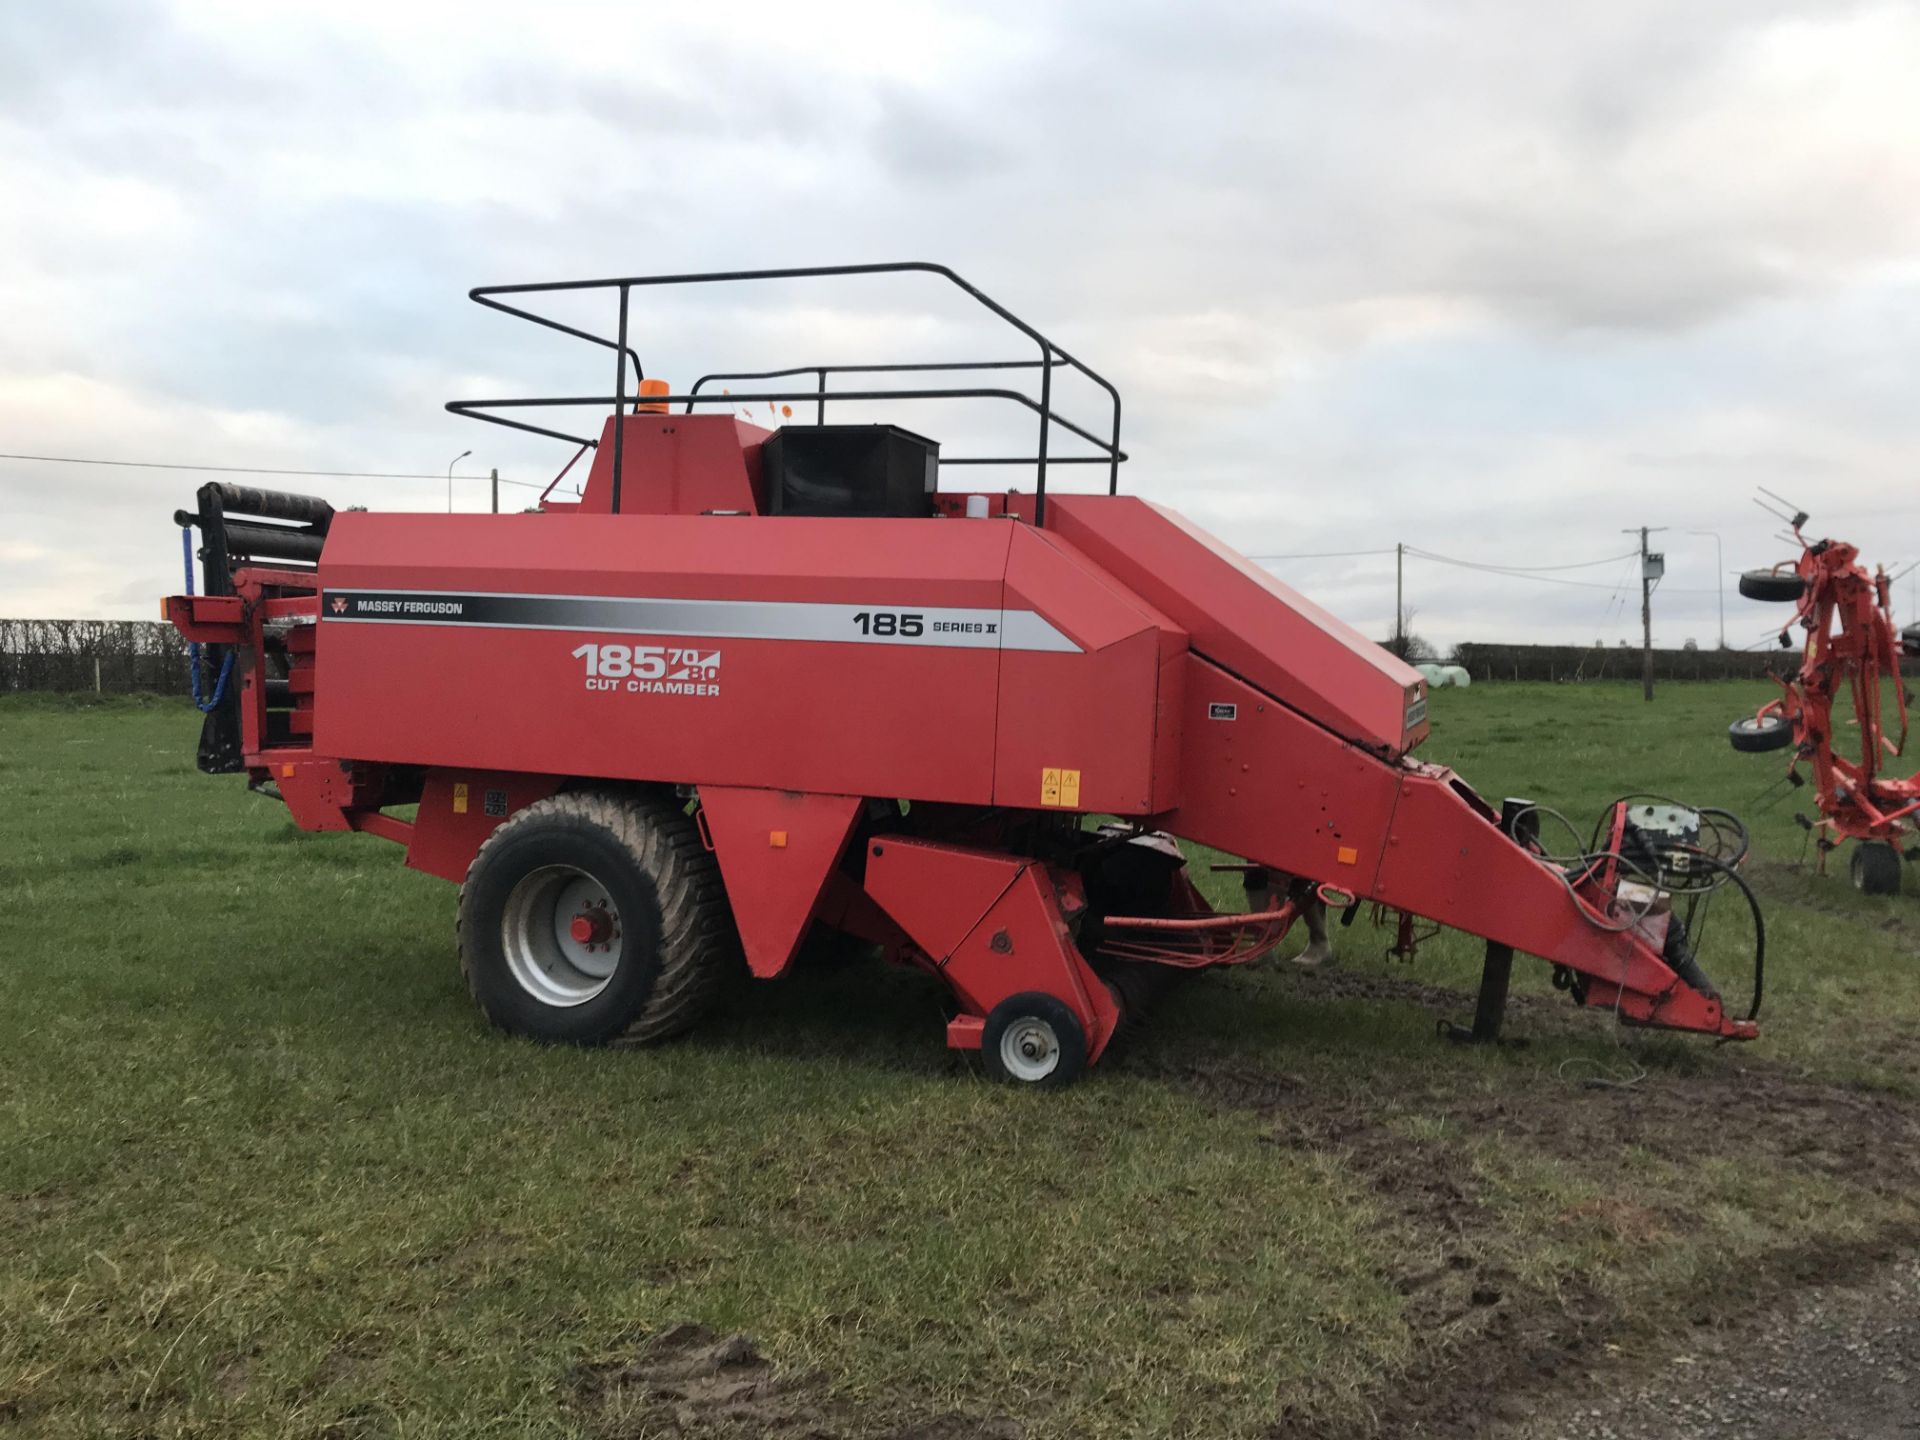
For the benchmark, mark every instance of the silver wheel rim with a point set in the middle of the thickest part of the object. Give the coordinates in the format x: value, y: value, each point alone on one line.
x: 1029, y: 1050
x: 1756, y: 727
x: 546, y: 957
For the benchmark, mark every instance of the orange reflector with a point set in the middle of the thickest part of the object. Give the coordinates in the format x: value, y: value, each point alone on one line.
x: 285, y: 771
x: 653, y: 407
x: 1347, y: 855
x: 777, y: 839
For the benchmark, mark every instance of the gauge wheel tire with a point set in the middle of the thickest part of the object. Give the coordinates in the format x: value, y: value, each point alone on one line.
x: 1910, y: 641
x: 1875, y: 868
x: 1757, y: 734
x: 592, y: 917
x: 1772, y: 585
x: 1033, y: 1040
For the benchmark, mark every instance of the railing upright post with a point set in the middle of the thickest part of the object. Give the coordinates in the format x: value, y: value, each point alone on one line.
x: 820, y: 406
x: 1046, y: 419
x: 619, y: 398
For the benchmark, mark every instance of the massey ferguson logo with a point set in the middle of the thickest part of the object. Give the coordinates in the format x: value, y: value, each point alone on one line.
x: 398, y: 607
x: 651, y: 669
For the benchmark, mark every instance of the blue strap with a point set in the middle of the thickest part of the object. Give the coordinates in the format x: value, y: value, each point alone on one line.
x: 193, y: 646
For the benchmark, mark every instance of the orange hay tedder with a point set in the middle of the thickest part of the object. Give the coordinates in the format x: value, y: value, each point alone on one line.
x: 755, y: 681
x: 1851, y: 649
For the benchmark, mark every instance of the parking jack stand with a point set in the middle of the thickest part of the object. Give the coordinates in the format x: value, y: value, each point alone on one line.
x: 1521, y: 820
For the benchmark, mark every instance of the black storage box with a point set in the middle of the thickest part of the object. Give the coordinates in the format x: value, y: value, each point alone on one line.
x: 850, y: 470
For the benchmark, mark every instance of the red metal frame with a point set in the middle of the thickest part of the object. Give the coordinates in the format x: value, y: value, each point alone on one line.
x: 1851, y: 648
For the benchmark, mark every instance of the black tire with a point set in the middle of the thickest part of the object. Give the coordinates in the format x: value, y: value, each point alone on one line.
x: 667, y: 908
x: 1772, y: 585
x: 1757, y: 734
x: 1038, y: 1020
x: 1910, y: 641
x: 1875, y: 868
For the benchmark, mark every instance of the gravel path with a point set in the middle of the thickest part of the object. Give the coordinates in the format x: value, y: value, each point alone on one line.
x: 1834, y: 1363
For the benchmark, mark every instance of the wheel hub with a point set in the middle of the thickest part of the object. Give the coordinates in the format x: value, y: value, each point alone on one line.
x: 592, y: 928
x: 561, y: 933
x: 1029, y: 1049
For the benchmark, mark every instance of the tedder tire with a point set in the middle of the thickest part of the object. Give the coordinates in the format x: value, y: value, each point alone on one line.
x: 1875, y: 868
x: 592, y: 917
x: 1772, y: 585
x: 1033, y: 1039
x: 1757, y: 734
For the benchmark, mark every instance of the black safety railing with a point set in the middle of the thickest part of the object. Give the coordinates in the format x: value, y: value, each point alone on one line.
x: 1051, y: 358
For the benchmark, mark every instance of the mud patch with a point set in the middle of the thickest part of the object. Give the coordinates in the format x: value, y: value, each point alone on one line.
x: 1529, y: 1016
x: 1485, y: 1342
x: 689, y: 1381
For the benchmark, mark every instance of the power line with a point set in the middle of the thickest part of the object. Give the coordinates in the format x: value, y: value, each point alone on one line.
x: 1513, y: 574
x: 1320, y: 555
x: 250, y: 469
x: 1538, y: 578
x: 1522, y: 569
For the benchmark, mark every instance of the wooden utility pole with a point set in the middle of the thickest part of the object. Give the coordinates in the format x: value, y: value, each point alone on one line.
x: 1646, y: 620
x: 1400, y: 599
x: 1652, y: 567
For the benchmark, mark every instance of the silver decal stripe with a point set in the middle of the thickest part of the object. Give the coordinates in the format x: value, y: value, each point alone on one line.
x: 958, y: 627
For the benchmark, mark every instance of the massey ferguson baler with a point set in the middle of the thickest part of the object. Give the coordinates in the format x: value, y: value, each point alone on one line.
x: 753, y: 681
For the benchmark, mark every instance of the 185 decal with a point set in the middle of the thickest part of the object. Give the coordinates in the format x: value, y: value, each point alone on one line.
x: 651, y: 669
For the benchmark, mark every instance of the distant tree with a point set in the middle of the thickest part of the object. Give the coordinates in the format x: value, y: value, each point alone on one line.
x: 1689, y: 644
x: 1409, y: 646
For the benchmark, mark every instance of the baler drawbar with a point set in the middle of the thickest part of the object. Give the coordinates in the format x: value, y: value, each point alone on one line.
x: 754, y: 681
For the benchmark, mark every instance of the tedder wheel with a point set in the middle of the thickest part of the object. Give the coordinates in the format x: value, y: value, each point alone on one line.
x: 1033, y: 1039
x: 1772, y: 585
x: 1757, y: 734
x: 1875, y: 868
x: 590, y: 917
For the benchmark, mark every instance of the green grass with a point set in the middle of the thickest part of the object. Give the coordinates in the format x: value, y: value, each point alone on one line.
x: 262, y: 1171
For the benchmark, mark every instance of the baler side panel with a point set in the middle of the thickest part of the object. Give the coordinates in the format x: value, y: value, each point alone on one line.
x: 1243, y: 618
x: 1169, y: 728
x: 1259, y: 780
x: 486, y: 691
x: 1083, y: 721
x: 1090, y: 716
x: 776, y: 849
x: 459, y: 809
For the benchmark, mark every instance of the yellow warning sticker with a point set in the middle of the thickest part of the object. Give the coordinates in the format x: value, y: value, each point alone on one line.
x: 1060, y: 787
x: 459, y: 797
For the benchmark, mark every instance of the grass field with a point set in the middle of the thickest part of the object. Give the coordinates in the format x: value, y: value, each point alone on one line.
x: 263, y: 1172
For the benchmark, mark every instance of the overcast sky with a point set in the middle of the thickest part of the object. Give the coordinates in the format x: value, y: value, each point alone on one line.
x: 1496, y: 278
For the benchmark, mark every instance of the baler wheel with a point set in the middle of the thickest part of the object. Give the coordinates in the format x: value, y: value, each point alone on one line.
x: 1875, y: 868
x: 592, y: 917
x: 1033, y: 1039
x: 1757, y: 734
x: 1780, y: 585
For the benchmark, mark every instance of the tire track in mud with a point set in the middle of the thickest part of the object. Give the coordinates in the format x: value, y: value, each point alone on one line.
x: 1489, y: 1348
